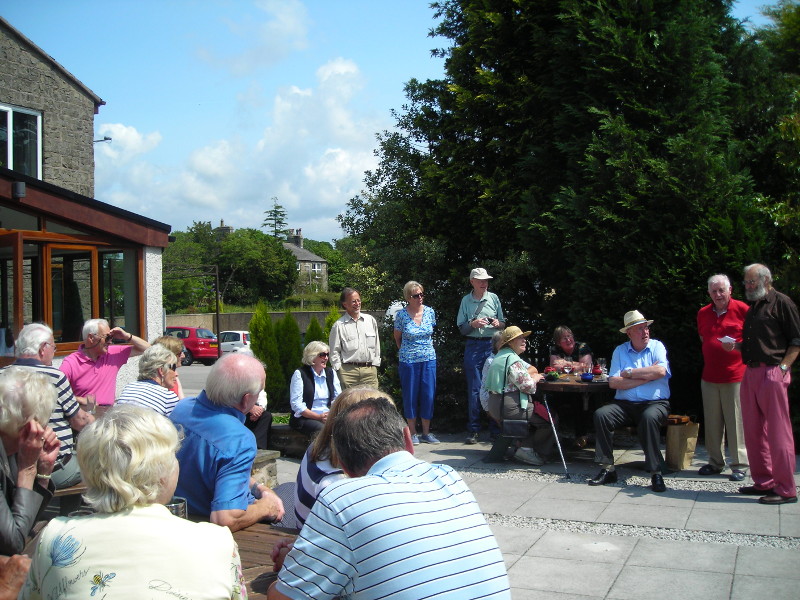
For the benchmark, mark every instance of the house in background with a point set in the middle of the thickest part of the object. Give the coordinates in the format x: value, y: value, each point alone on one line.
x: 64, y: 256
x: 312, y: 270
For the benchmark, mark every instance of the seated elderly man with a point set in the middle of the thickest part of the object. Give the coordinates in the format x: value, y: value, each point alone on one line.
x: 217, y: 453
x: 640, y: 373
x: 34, y: 348
x: 368, y: 537
x: 157, y: 373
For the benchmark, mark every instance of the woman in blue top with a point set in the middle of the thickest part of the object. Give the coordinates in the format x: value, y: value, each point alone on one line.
x: 413, y: 334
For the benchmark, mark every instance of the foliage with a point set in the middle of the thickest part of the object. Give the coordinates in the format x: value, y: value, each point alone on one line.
x: 287, y: 334
x: 314, y: 332
x: 275, y: 220
x: 336, y: 262
x: 595, y: 157
x: 333, y: 315
x: 265, y: 348
x: 320, y: 300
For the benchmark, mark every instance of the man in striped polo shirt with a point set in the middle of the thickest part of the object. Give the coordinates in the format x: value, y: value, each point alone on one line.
x: 34, y: 349
x: 398, y: 528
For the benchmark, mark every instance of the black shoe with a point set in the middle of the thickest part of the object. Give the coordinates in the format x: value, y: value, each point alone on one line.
x: 603, y: 477
x: 737, y: 475
x: 473, y: 438
x: 658, y: 483
x: 709, y: 470
x: 777, y: 499
x: 751, y: 490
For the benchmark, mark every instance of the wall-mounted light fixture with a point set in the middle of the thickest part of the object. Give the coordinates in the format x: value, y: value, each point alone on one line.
x: 105, y: 139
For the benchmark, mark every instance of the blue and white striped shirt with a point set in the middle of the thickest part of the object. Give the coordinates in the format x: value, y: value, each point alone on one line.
x: 407, y: 529
x: 149, y: 394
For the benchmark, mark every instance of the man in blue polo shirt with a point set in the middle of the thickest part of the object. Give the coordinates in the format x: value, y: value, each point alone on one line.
x: 217, y: 453
x: 398, y: 527
x: 639, y: 372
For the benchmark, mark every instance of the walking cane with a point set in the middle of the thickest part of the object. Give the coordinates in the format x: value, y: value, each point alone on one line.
x: 555, y: 433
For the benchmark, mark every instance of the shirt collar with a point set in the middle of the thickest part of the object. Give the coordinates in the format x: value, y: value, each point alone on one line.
x: 29, y: 362
x: 204, y: 401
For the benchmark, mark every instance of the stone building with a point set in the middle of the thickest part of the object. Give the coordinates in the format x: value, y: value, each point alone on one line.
x: 312, y: 270
x: 64, y: 256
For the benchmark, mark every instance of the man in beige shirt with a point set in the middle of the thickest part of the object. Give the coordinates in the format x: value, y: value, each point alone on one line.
x: 354, y: 344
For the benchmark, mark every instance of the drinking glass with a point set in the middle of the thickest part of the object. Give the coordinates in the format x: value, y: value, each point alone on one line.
x: 602, y: 363
x: 91, y: 403
x: 567, y: 366
x: 177, y: 506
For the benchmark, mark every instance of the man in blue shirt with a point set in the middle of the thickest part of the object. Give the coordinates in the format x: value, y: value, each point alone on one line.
x: 217, y: 453
x: 639, y: 372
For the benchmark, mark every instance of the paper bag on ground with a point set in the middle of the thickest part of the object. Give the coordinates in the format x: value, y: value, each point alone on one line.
x: 681, y: 443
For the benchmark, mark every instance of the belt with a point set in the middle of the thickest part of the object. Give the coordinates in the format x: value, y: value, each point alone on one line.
x: 60, y: 464
x: 355, y: 364
x: 754, y: 364
x: 478, y: 339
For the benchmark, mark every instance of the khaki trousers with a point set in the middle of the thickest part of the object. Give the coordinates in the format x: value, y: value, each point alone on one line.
x: 723, y: 420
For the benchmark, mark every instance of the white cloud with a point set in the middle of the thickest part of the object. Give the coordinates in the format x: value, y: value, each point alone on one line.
x: 126, y: 142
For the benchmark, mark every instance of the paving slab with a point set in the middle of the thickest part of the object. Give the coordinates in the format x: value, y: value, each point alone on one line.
x: 635, y: 582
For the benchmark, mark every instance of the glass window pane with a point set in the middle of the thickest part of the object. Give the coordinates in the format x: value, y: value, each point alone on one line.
x: 71, y: 278
x: 119, y: 289
x: 4, y: 114
x: 26, y: 144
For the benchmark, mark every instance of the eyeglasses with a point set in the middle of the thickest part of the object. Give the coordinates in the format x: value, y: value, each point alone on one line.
x: 322, y: 355
x: 418, y: 296
x: 752, y: 281
x: 173, y: 367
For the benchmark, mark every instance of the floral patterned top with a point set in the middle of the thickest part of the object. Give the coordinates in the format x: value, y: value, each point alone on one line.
x: 417, y: 341
x: 140, y: 552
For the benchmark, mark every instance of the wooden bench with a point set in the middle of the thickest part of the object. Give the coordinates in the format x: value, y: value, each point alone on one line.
x: 78, y: 488
x: 288, y: 441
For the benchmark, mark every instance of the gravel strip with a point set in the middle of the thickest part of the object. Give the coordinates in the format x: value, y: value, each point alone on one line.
x: 663, y: 533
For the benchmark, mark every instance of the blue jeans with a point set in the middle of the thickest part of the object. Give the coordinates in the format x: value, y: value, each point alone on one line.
x: 476, y: 352
x: 418, y: 381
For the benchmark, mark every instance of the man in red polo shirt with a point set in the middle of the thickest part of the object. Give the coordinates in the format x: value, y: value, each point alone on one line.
x: 721, y: 378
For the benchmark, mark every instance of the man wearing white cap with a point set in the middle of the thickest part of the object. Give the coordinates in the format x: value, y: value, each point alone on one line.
x: 640, y: 373
x: 479, y: 317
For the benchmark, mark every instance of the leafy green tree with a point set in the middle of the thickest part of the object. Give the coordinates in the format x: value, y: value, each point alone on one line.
x: 290, y: 349
x: 314, y: 332
x: 595, y: 157
x: 254, y: 265
x: 275, y: 220
x: 336, y: 262
x: 265, y: 348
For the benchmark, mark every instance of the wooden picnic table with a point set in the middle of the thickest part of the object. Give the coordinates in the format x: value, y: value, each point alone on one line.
x: 255, y: 550
x: 572, y: 384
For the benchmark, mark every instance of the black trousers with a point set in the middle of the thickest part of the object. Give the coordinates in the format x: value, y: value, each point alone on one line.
x: 260, y: 429
x: 648, y: 417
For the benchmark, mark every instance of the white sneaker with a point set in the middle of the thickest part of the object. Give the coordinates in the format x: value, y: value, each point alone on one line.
x: 528, y: 456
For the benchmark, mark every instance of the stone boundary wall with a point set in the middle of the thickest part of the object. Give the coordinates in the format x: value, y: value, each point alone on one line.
x: 241, y: 321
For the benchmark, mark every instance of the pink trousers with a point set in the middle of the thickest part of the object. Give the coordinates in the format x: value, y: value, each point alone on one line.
x: 767, y: 428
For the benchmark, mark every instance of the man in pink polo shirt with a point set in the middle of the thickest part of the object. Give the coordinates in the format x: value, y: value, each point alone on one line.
x: 93, y: 368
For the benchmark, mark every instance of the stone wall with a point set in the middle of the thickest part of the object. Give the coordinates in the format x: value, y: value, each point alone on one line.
x: 29, y: 80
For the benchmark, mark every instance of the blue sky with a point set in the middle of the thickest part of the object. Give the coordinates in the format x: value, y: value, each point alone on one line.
x: 217, y: 106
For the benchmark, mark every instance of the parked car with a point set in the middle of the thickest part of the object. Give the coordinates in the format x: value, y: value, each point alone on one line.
x: 234, y: 341
x: 200, y: 344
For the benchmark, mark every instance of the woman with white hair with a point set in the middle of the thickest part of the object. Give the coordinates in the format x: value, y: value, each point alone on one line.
x: 27, y: 454
x: 312, y: 389
x: 128, y: 463
x: 157, y: 374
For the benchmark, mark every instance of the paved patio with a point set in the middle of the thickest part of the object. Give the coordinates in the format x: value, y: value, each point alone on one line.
x: 563, y: 539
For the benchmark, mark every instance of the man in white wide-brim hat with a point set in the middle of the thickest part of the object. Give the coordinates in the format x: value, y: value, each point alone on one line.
x: 639, y: 373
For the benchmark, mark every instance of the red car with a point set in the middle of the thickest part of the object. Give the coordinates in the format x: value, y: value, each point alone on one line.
x: 199, y: 343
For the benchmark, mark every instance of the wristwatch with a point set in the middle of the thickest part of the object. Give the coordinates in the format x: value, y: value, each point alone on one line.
x: 784, y: 368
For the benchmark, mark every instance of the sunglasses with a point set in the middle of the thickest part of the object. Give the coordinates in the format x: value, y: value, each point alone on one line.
x: 173, y: 367
x: 420, y: 295
x: 322, y: 355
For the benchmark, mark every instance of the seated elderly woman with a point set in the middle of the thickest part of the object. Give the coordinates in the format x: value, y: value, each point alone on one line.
x: 174, y: 345
x: 511, y: 387
x: 157, y: 374
x: 566, y: 350
x: 128, y: 463
x: 27, y: 454
x: 320, y: 466
x: 312, y: 389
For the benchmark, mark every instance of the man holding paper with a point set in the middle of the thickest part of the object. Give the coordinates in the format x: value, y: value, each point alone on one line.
x: 719, y: 322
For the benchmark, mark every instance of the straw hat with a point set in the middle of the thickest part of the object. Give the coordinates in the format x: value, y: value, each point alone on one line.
x: 633, y: 317
x: 479, y: 273
x: 511, y: 333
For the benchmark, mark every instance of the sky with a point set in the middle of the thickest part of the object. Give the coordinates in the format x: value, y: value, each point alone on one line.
x: 215, y: 107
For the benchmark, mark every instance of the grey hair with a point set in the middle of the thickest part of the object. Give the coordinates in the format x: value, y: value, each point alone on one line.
x: 25, y: 395
x: 30, y: 339
x: 409, y: 287
x: 92, y: 326
x: 366, y: 432
x: 496, y: 338
x: 233, y: 376
x: 761, y: 270
x: 719, y: 277
x: 154, y: 358
x: 126, y: 456
x: 312, y: 349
